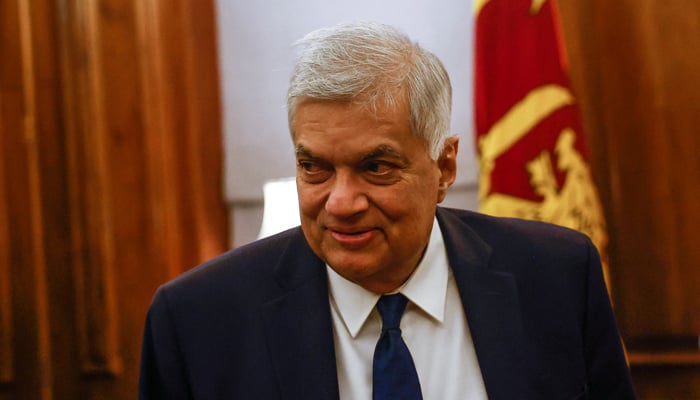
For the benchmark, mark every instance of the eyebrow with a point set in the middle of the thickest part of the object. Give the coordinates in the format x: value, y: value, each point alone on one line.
x: 381, y: 151
x: 303, y: 152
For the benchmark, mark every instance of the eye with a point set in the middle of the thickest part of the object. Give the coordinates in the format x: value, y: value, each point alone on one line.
x: 308, y: 166
x: 312, y: 171
x: 378, y: 167
x: 380, y: 172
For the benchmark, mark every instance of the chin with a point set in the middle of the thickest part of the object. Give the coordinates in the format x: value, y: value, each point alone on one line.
x: 352, y: 270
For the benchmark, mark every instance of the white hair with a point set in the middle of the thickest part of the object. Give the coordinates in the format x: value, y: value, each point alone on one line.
x: 372, y: 63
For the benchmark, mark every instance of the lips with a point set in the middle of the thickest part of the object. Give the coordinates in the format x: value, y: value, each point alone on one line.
x: 352, y: 237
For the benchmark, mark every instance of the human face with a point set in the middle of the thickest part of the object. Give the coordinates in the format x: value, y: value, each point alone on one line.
x: 368, y: 189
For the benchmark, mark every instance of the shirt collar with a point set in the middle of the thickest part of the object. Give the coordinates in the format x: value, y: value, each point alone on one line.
x: 426, y: 287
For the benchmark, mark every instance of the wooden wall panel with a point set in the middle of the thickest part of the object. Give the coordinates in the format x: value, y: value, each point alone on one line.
x: 94, y: 206
x: 7, y: 357
x: 8, y: 26
x: 181, y: 96
x: 196, y: 22
x: 162, y: 166
x: 23, y: 182
x: 142, y: 60
x: 108, y: 187
x: 637, y: 78
x: 6, y: 324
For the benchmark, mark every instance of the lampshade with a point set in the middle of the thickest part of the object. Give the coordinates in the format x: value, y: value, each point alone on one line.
x: 281, y: 206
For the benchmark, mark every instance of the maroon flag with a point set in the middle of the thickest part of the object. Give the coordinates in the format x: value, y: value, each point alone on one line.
x: 532, y: 152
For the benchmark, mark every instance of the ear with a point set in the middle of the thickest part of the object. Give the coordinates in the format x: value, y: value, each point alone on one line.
x: 448, y: 166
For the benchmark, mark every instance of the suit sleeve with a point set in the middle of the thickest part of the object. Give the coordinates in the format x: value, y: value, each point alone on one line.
x: 162, y: 374
x: 607, y: 370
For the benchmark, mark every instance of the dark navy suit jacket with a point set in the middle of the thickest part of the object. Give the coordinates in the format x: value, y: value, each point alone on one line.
x: 255, y: 322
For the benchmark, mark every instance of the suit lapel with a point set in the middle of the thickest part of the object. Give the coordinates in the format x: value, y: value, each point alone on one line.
x: 490, y: 300
x: 299, y: 329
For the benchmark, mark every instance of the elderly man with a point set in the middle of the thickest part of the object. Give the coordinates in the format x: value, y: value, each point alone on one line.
x: 381, y: 293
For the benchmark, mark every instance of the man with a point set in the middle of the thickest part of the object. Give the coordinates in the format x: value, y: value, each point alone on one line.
x: 494, y: 308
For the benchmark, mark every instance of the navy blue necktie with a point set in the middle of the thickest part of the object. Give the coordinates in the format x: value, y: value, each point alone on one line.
x: 394, y: 374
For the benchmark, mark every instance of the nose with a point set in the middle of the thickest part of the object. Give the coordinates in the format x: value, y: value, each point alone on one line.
x: 346, y: 197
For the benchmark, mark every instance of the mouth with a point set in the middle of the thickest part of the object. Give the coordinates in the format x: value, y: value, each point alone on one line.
x: 352, y: 237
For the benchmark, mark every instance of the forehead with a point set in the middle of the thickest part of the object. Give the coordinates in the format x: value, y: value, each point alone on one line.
x: 346, y: 130
x: 324, y: 119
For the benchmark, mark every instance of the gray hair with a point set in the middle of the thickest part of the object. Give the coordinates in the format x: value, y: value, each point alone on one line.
x: 373, y: 62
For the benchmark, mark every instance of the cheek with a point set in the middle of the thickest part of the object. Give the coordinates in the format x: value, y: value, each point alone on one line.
x: 311, y: 199
x: 410, y: 214
x: 403, y: 210
x: 412, y: 198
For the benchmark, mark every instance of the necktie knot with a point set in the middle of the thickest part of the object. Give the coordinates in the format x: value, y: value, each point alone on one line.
x: 391, y: 308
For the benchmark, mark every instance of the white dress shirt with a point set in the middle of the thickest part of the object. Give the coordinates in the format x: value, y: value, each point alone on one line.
x: 433, y: 326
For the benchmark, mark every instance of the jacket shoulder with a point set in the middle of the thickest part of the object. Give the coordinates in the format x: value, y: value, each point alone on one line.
x: 248, y: 271
x: 497, y: 231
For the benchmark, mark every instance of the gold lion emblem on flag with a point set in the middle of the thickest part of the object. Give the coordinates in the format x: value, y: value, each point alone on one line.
x: 574, y: 204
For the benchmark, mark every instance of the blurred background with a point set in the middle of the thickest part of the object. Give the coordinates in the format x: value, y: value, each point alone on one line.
x: 136, y: 136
